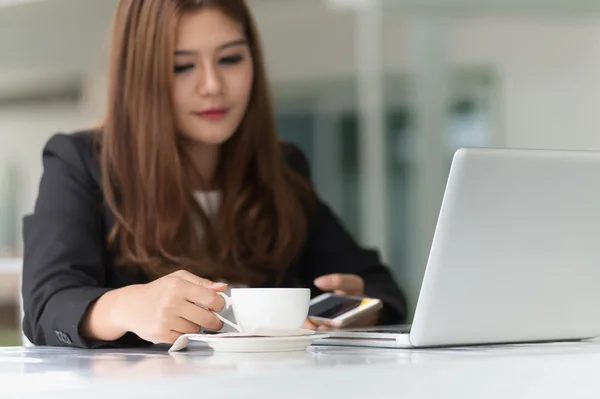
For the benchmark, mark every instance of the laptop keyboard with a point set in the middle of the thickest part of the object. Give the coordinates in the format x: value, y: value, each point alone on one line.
x: 402, y: 329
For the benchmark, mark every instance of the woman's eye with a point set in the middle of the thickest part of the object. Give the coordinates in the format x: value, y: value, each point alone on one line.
x: 232, y: 59
x: 183, y: 67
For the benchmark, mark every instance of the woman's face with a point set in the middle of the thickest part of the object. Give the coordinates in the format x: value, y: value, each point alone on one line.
x: 213, y: 76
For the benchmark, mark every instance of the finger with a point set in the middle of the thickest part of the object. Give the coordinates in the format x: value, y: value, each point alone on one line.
x: 367, y: 320
x: 168, y: 338
x: 309, y: 325
x: 192, y: 278
x: 184, y: 326
x: 323, y: 328
x: 200, y: 317
x: 203, y: 296
x: 353, y: 285
x: 330, y: 282
x: 350, y: 284
x: 340, y: 292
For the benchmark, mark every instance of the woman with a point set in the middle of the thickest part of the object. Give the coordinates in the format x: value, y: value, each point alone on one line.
x: 182, y: 191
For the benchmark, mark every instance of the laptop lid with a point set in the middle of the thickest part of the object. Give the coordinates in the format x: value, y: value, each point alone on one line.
x: 516, y: 251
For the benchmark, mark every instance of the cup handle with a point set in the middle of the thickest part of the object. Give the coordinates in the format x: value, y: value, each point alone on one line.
x: 227, y: 306
x: 226, y: 299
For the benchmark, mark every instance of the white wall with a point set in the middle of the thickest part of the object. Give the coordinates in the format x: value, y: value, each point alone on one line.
x: 549, y: 76
x: 547, y: 70
x: 24, y: 130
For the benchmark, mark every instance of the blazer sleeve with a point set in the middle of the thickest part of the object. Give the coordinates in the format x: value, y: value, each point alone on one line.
x: 331, y: 249
x: 64, y: 249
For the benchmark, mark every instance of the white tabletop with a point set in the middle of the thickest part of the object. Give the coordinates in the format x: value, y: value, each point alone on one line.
x: 556, y: 370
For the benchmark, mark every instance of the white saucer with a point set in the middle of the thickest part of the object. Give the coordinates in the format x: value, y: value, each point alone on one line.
x: 241, y: 344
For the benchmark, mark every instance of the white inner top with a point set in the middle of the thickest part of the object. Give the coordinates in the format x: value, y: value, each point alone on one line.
x: 209, y: 201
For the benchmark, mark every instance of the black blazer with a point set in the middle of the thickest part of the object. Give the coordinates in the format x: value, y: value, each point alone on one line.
x: 67, y: 264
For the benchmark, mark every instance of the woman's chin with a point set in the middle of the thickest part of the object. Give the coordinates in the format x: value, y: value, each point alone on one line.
x: 213, y: 139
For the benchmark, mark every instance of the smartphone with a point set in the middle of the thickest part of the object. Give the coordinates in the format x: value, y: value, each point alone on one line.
x: 339, y: 310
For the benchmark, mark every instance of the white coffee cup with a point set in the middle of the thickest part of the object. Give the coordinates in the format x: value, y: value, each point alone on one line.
x: 268, y: 308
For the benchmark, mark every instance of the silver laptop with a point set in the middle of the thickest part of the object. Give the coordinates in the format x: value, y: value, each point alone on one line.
x: 515, y: 255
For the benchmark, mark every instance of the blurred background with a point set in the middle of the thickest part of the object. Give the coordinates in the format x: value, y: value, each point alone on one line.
x: 379, y: 94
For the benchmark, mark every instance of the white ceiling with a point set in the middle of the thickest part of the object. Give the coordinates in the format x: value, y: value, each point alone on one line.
x: 50, y: 43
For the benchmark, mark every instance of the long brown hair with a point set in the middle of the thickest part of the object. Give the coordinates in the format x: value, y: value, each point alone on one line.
x: 262, y: 221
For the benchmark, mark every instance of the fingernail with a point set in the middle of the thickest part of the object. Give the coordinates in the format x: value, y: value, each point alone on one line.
x: 218, y: 285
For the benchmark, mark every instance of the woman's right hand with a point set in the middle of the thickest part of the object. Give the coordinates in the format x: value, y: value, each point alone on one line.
x: 158, y: 312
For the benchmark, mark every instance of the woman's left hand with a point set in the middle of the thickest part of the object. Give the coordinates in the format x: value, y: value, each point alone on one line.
x: 343, y: 284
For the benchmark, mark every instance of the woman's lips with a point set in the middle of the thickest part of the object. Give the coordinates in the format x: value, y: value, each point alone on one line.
x: 212, y: 114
